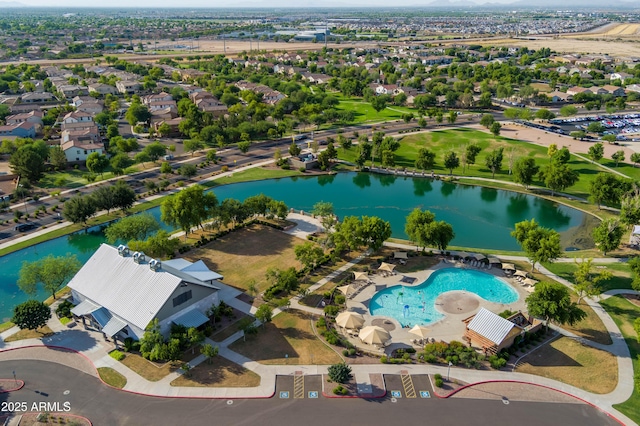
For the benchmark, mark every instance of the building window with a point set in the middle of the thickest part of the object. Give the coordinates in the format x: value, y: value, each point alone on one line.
x: 179, y: 300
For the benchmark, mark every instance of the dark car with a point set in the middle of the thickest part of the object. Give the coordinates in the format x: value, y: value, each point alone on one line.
x: 25, y: 226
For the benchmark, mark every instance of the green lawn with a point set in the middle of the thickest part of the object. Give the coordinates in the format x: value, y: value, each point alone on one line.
x: 621, y: 273
x: 256, y: 173
x: 69, y: 179
x: 442, y: 141
x: 624, y: 313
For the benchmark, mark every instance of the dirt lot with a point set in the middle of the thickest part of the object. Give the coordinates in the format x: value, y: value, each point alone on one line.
x: 542, y: 138
x: 592, y: 43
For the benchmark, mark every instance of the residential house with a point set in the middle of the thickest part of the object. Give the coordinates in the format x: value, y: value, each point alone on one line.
x: 37, y: 97
x: 622, y: 76
x: 128, y: 87
x: 491, y: 333
x: 121, y: 293
x: 173, y: 122
x: 103, y: 89
x: 30, y: 117
x: 557, y: 96
x: 575, y: 90
x: 78, y: 149
x: 71, y: 90
x: 21, y: 130
x: 77, y: 117
x: 613, y: 90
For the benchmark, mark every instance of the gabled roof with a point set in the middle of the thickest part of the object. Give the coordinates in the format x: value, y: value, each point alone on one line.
x: 198, y: 270
x: 132, y: 291
x: 490, y: 325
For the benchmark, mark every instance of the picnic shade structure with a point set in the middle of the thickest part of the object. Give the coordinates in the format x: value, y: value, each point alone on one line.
x: 520, y: 274
x: 463, y: 254
x: 420, y: 331
x: 399, y: 254
x: 345, y: 289
x: 360, y: 276
x: 349, y: 319
x: 386, y: 267
x: 374, y: 335
x: 508, y: 267
x: 529, y: 281
x: 479, y: 256
x: 494, y: 260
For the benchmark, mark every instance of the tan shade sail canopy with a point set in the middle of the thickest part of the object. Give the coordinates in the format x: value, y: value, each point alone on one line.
x: 349, y: 320
x: 386, y: 267
x: 360, y: 276
x: 508, y: 266
x: 374, y: 335
x: 529, y: 281
x: 345, y: 289
x: 520, y: 274
x: 419, y: 330
x: 479, y: 256
x: 494, y: 260
x: 463, y: 254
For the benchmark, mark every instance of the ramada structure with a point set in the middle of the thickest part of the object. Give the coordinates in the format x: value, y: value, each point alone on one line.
x: 120, y: 293
x: 491, y: 333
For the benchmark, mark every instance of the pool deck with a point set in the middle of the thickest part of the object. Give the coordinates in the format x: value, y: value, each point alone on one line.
x: 455, y: 305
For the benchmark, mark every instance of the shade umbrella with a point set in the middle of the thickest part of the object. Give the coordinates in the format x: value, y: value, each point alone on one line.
x: 508, y: 266
x: 386, y: 267
x: 399, y: 254
x: 374, y: 335
x: 419, y: 330
x: 494, y: 260
x: 349, y: 320
x: 345, y: 289
x: 520, y: 274
x: 479, y: 256
x: 463, y: 254
x: 360, y: 276
x: 529, y: 281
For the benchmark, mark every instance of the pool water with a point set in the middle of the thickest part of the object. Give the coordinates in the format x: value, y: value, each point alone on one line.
x: 417, y: 305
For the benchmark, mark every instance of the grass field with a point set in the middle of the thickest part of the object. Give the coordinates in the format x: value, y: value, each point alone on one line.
x: 5, y: 326
x: 443, y: 141
x: 288, y: 340
x: 219, y: 372
x: 244, y: 256
x: 112, y: 377
x: 256, y: 173
x: 568, y: 361
x: 30, y: 334
x: 147, y: 369
x: 364, y: 113
x: 624, y: 313
x: 623, y: 29
x: 69, y: 179
x: 621, y: 273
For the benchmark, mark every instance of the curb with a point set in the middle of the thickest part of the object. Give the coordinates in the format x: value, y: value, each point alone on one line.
x: 19, y: 385
x: 532, y: 384
x: 131, y: 391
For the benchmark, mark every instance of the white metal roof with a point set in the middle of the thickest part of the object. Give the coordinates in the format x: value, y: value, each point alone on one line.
x: 198, y: 270
x: 192, y: 318
x: 132, y: 291
x: 113, y: 326
x: 490, y: 325
x: 636, y: 229
x: 85, y: 307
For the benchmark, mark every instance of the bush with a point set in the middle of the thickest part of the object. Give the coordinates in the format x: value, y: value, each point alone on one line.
x: 321, y: 322
x: 331, y: 310
x: 340, y: 390
x: 340, y: 373
x: 439, y: 383
x: 340, y: 299
x: 384, y: 359
x: 352, y: 351
x: 117, y: 355
x: 437, y: 376
x: 64, y: 309
x: 497, y: 362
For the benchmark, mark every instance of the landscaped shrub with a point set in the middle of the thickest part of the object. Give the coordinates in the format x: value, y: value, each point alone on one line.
x: 384, y: 359
x: 437, y: 376
x: 331, y: 310
x: 321, y: 322
x: 497, y: 362
x: 131, y: 345
x: 352, y: 351
x: 340, y: 373
x: 117, y: 355
x: 64, y: 309
x: 439, y: 383
x: 340, y: 299
x: 340, y: 390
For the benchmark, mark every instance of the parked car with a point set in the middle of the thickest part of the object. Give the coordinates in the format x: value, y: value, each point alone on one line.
x: 25, y: 226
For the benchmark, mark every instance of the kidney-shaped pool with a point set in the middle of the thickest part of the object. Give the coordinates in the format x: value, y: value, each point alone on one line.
x: 417, y: 305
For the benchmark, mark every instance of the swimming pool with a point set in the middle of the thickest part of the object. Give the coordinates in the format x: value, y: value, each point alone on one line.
x: 417, y: 305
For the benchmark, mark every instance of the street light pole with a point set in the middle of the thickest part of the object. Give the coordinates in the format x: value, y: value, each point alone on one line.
x: 448, y: 370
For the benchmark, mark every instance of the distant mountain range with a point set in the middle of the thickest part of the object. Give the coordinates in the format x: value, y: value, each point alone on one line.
x: 11, y: 4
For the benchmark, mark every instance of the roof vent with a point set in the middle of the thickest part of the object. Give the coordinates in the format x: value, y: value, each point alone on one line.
x: 138, y: 257
x: 155, y: 265
x: 123, y: 250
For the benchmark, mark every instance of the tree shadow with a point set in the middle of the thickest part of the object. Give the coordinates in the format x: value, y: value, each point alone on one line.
x: 488, y: 195
x: 326, y: 179
x: 518, y: 205
x: 446, y: 189
x: 550, y: 357
x: 385, y: 180
x: 421, y: 187
x: 362, y: 180
x: 269, y: 344
x: 256, y: 240
x: 78, y: 340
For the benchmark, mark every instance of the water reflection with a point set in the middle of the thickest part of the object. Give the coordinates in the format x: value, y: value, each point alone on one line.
x: 421, y: 187
x: 326, y: 179
x: 362, y: 180
x: 385, y: 180
x: 518, y: 206
x: 488, y: 194
x: 447, y: 188
x: 551, y: 212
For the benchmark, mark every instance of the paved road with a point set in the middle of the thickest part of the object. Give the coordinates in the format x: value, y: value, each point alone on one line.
x: 105, y: 406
